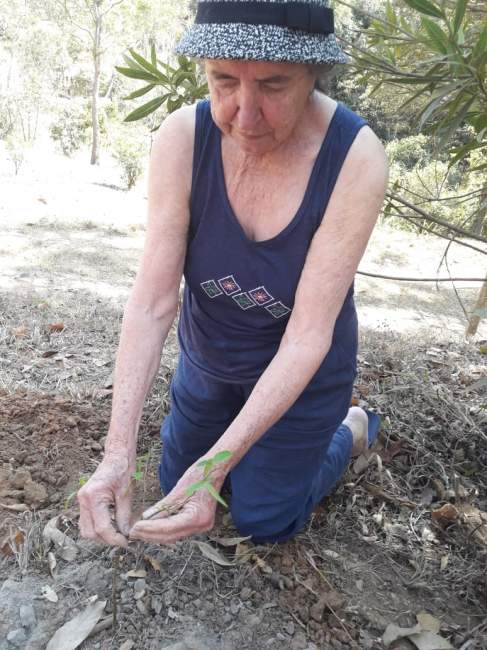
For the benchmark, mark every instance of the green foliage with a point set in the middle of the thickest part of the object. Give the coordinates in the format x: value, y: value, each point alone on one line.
x: 140, y: 466
x: 70, y: 128
x: 205, y: 483
x: 409, y: 151
x: 83, y: 480
x: 130, y: 152
x: 15, y: 147
x: 180, y: 85
x: 438, y: 64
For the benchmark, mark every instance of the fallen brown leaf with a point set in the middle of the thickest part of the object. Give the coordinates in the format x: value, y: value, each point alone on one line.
x: 392, y: 450
x: 448, y: 512
x: 12, y: 543
x: 56, y: 327
x: 20, y: 332
x: 155, y: 564
x: 49, y: 353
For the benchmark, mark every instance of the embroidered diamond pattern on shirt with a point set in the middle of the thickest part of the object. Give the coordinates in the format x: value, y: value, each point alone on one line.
x: 261, y: 296
x: 229, y: 285
x: 278, y: 309
x: 211, y: 288
x: 244, y: 301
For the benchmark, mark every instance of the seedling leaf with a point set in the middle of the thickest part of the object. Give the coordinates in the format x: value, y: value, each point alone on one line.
x: 216, y: 495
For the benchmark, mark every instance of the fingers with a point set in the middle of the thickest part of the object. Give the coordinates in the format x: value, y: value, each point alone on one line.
x: 95, y: 520
x: 167, y: 530
x: 123, y: 511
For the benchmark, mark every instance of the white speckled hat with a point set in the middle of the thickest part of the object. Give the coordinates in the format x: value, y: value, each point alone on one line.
x: 299, y: 31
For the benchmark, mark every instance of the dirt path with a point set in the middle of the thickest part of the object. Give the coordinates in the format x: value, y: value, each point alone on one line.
x: 402, y: 534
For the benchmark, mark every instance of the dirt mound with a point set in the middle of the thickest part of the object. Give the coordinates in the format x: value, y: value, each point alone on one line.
x: 47, y: 442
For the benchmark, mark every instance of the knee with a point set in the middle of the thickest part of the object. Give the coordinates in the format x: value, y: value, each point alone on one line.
x: 264, y: 525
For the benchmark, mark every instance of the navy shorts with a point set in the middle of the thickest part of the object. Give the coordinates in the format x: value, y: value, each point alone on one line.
x: 282, y: 477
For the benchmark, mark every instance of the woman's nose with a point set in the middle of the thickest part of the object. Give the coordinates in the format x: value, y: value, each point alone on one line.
x: 249, y: 112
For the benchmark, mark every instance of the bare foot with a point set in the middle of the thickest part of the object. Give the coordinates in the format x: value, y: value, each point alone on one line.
x: 358, y: 424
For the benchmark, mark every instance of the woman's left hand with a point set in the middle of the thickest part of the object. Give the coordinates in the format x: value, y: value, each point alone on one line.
x: 192, y: 515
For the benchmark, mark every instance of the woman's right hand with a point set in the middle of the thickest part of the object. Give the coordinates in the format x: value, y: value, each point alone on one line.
x: 110, y: 486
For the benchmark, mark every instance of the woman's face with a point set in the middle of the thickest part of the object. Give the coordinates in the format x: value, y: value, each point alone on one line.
x: 258, y: 103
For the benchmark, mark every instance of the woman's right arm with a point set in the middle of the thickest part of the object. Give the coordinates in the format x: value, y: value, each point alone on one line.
x: 148, y: 316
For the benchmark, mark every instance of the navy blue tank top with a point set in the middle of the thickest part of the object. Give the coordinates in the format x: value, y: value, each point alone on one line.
x: 239, y: 293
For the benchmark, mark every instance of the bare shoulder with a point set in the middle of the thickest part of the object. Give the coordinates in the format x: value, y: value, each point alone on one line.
x: 171, y: 166
x: 174, y: 141
x: 367, y: 157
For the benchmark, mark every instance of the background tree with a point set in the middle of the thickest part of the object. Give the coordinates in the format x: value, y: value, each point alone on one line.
x: 434, y: 58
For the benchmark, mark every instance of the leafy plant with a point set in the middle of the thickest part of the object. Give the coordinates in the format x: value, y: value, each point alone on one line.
x: 180, y: 85
x: 438, y: 60
x: 129, y: 152
x: 16, y: 151
x: 70, y: 128
x: 209, y: 465
x: 83, y: 479
x: 140, y: 465
x: 205, y: 483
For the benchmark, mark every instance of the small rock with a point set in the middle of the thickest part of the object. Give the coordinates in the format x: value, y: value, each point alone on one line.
x: 299, y: 641
x: 227, y: 618
x: 95, y: 446
x: 19, y: 478
x: 125, y: 595
x: 316, y: 611
x: 17, y: 638
x: 277, y: 580
x: 55, y: 498
x: 234, y: 607
x: 127, y: 645
x: 142, y: 608
x: 27, y: 616
x: 245, y: 593
x: 342, y: 636
x: 156, y: 604
x: 169, y: 597
x: 290, y: 629
x: 140, y: 586
x: 35, y: 494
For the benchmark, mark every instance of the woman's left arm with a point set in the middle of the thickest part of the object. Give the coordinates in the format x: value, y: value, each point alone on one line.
x: 328, y: 273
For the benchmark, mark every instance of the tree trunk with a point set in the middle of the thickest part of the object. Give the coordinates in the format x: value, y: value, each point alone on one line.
x: 96, y: 81
x: 481, y: 304
x: 481, y: 216
x: 480, y: 307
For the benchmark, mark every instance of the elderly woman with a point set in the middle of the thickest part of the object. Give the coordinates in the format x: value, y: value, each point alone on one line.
x: 264, y: 197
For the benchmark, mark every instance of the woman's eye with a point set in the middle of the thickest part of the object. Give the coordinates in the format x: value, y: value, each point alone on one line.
x: 272, y: 87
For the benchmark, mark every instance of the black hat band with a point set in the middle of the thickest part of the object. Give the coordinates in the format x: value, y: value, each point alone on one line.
x: 293, y: 15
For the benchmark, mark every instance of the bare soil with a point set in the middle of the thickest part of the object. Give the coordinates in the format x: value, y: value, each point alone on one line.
x: 403, y: 533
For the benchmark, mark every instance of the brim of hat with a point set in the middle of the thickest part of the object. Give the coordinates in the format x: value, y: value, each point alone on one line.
x: 239, y: 41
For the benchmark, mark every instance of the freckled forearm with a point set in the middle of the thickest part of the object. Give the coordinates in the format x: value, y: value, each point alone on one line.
x: 279, y: 387
x: 138, y: 358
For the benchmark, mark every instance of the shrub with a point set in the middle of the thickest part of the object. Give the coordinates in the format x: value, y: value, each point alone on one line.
x: 71, y: 127
x: 409, y: 151
x: 130, y: 153
x: 15, y: 150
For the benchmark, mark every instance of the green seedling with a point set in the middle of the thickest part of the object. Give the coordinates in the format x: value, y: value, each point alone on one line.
x: 140, y: 465
x: 205, y: 483
x: 83, y: 479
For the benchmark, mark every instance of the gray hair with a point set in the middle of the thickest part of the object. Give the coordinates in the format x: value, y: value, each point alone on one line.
x: 324, y: 74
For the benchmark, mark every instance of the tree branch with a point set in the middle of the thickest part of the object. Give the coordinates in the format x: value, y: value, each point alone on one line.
x: 439, y: 222
x: 400, y: 279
